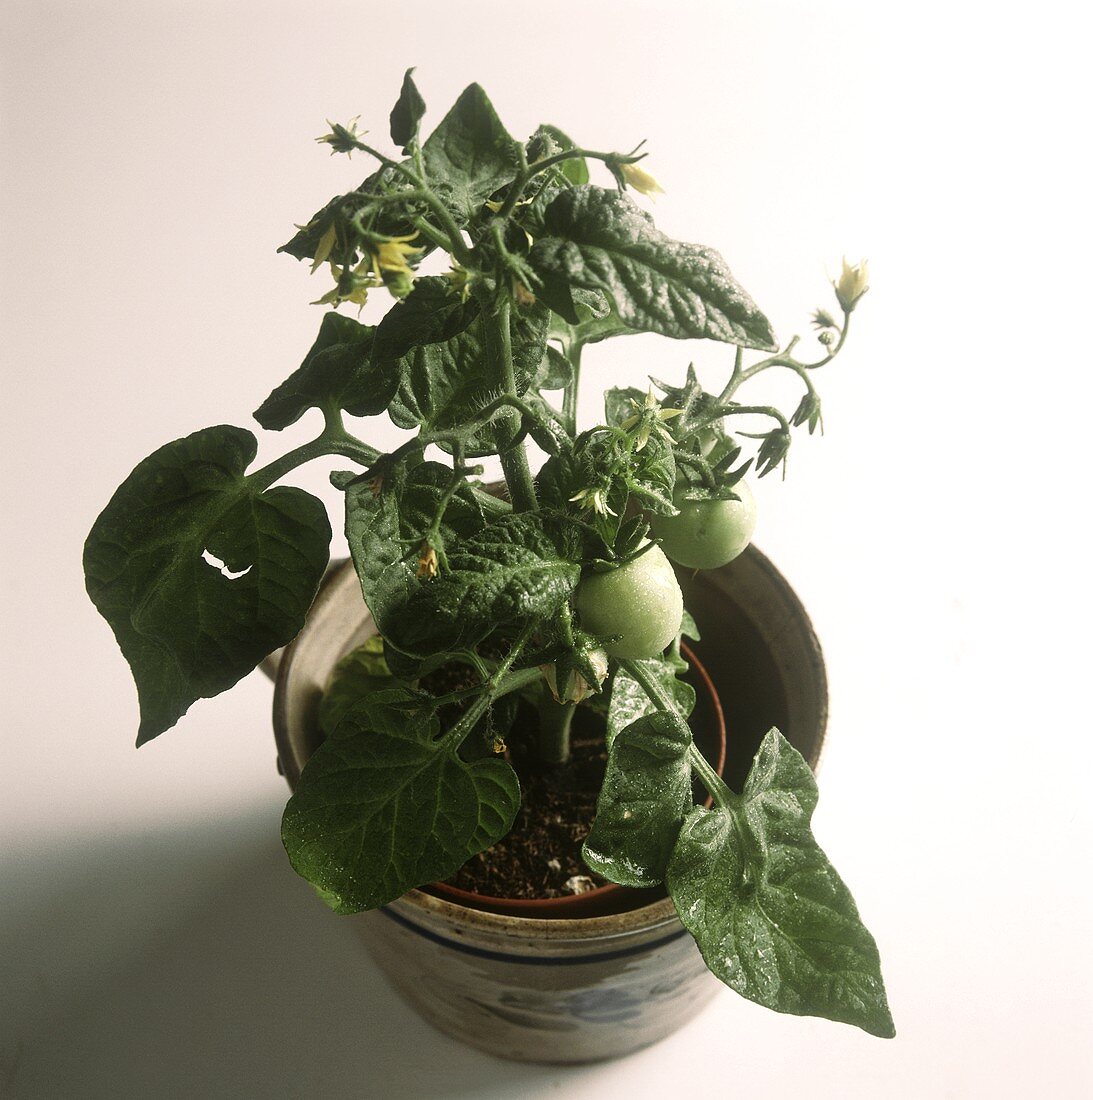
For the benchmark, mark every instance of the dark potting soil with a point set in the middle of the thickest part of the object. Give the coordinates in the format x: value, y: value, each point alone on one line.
x: 541, y: 856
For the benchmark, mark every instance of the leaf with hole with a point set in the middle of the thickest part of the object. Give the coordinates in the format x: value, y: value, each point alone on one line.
x: 201, y: 574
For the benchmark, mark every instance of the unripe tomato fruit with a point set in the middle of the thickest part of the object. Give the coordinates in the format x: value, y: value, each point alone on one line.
x: 640, y: 601
x: 708, y: 533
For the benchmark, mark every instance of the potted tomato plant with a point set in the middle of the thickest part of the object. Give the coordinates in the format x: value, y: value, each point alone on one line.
x: 477, y: 628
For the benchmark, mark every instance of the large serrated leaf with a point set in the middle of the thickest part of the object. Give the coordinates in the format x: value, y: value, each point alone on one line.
x: 645, y: 795
x: 387, y: 805
x: 200, y: 575
x: 339, y: 370
x: 511, y: 574
x: 599, y: 240
x: 772, y: 918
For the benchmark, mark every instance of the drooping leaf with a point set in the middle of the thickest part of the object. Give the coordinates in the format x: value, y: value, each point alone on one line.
x: 598, y: 239
x: 429, y: 314
x: 388, y: 805
x: 645, y: 795
x: 771, y: 916
x: 469, y: 155
x: 511, y: 574
x: 407, y: 113
x: 381, y: 526
x: 199, y: 574
x: 629, y: 701
x: 339, y: 370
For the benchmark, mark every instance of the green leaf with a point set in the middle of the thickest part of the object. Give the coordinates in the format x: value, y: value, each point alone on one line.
x: 430, y: 314
x: 575, y: 169
x: 407, y: 113
x: 646, y: 794
x: 387, y: 805
x: 629, y: 701
x: 356, y: 675
x: 469, y: 155
x: 199, y: 574
x: 771, y: 916
x: 381, y: 530
x: 514, y: 573
x: 599, y: 240
x: 448, y: 382
x: 555, y: 371
x: 338, y: 371
x: 621, y: 403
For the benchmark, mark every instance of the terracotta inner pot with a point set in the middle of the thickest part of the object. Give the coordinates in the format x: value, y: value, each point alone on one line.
x: 708, y: 722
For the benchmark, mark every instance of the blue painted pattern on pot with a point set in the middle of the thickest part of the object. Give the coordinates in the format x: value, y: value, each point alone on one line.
x: 541, y: 990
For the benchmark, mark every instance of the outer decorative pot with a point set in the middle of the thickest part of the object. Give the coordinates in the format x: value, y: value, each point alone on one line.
x: 564, y: 990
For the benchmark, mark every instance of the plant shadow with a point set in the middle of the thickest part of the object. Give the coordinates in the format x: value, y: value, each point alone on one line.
x: 192, y: 962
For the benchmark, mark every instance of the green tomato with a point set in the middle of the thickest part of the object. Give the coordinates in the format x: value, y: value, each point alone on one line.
x: 641, y: 602
x: 708, y: 533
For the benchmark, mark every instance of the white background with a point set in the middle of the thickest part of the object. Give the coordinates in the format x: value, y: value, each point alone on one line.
x: 155, y: 941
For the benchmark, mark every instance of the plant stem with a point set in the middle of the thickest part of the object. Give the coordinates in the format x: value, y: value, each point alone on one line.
x: 329, y: 443
x: 713, y: 783
x: 569, y: 403
x: 555, y: 720
x: 514, y: 460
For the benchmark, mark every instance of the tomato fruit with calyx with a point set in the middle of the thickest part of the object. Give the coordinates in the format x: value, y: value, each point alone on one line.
x: 708, y: 533
x: 639, y: 606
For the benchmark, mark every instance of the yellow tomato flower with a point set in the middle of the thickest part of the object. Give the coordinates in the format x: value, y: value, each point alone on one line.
x: 852, y: 284
x: 640, y: 180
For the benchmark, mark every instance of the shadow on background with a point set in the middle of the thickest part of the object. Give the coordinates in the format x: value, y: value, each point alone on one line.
x: 194, y: 963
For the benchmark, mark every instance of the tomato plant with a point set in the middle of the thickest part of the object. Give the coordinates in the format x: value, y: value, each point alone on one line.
x: 203, y: 566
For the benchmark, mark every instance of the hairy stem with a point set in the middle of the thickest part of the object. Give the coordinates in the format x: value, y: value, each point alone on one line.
x: 514, y: 460
x: 336, y: 442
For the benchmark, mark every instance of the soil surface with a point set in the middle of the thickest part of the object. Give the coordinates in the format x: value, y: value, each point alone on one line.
x: 541, y: 856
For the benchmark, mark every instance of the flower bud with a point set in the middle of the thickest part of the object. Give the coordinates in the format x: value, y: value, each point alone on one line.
x: 852, y: 284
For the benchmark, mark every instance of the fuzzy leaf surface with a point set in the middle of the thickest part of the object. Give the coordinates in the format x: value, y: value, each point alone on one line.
x: 188, y: 627
x: 387, y: 805
x: 380, y: 529
x: 772, y: 918
x: 512, y: 573
x: 600, y: 240
x: 339, y: 370
x: 469, y: 155
x: 429, y: 314
x: 645, y: 795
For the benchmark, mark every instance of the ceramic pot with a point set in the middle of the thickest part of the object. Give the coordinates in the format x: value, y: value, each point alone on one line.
x: 564, y: 989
